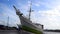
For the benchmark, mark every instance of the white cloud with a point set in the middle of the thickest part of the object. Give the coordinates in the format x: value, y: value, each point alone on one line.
x: 49, y: 18
x: 37, y: 4
x: 13, y: 19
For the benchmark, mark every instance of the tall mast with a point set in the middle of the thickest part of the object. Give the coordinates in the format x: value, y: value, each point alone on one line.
x: 30, y: 10
x: 7, y: 22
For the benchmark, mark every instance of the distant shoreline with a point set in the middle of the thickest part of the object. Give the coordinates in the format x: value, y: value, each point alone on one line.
x: 52, y: 30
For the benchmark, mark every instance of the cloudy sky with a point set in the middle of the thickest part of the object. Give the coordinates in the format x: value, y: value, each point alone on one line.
x: 46, y: 12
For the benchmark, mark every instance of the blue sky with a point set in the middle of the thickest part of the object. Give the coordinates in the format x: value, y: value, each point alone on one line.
x: 46, y: 12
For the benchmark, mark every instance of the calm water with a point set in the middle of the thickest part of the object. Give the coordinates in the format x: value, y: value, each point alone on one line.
x: 52, y: 32
x: 13, y: 32
x: 16, y: 32
x: 8, y: 32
